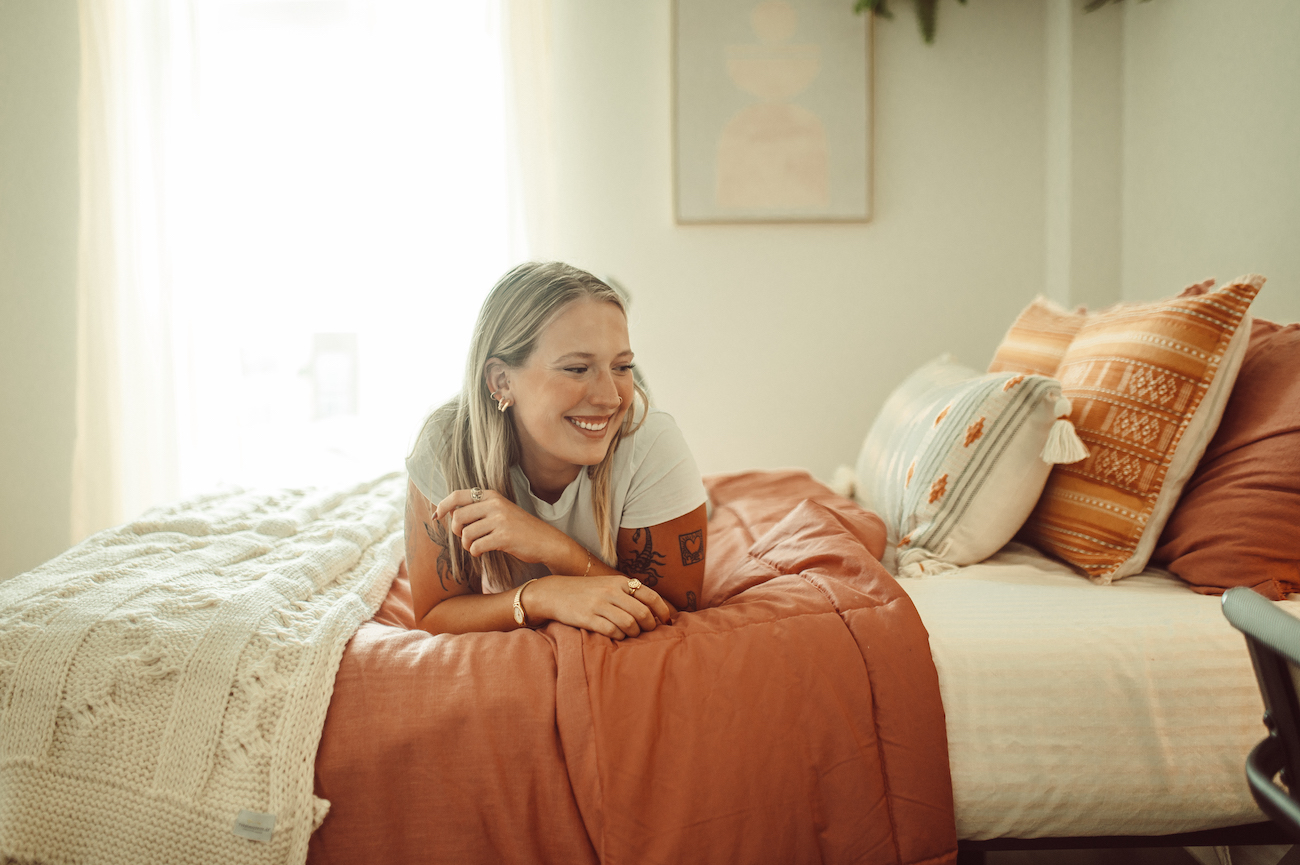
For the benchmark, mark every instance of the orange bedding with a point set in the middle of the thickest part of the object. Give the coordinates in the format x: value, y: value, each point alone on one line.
x: 795, y: 718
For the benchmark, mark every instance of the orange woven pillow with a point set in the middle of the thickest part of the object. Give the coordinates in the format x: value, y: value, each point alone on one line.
x: 1038, y: 339
x: 1148, y: 382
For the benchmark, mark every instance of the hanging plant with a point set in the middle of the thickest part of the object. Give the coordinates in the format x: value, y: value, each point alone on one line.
x: 927, y: 11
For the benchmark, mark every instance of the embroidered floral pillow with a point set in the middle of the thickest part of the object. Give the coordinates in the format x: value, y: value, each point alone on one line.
x: 956, y: 460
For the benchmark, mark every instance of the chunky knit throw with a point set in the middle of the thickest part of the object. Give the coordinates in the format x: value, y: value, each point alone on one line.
x: 163, y: 685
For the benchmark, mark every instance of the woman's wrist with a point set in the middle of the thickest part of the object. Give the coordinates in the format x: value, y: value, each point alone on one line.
x: 536, y: 601
x: 570, y: 558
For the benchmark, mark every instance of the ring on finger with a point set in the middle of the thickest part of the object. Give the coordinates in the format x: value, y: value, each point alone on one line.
x: 475, y: 494
x: 632, y: 586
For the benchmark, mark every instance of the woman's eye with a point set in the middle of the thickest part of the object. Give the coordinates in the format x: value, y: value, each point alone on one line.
x: 627, y: 367
x: 575, y: 369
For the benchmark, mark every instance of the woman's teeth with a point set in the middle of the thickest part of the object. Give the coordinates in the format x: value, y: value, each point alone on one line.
x: 594, y: 427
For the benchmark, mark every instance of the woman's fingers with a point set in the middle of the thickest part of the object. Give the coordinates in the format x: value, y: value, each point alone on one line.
x: 467, y: 515
x: 604, y: 627
x: 638, y: 610
x: 471, y: 532
x: 460, y: 499
x: 624, y: 621
x: 655, y: 604
x: 453, y: 500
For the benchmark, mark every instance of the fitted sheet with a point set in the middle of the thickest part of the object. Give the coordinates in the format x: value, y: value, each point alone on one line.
x: 1075, y: 709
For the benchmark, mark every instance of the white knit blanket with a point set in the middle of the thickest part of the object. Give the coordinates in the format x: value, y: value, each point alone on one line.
x: 163, y: 685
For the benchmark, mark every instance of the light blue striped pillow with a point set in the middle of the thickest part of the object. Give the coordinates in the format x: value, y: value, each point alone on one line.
x: 956, y: 460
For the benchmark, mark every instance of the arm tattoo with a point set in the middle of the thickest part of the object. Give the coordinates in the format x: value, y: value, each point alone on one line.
x: 438, y: 535
x: 692, y: 544
x: 642, y: 563
x: 690, y: 602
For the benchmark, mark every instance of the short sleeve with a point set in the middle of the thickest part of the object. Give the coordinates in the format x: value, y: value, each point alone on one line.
x: 422, y: 465
x: 665, y: 482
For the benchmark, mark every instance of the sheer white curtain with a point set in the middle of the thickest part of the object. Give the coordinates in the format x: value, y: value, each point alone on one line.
x: 291, y: 210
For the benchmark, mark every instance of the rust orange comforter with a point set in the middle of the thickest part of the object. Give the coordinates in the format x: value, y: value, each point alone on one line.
x: 795, y: 718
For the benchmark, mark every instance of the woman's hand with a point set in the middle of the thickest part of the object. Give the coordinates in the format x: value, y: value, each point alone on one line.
x: 496, y: 523
x: 601, y: 604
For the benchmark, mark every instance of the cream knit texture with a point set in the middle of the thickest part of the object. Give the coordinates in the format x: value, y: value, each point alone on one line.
x: 163, y: 676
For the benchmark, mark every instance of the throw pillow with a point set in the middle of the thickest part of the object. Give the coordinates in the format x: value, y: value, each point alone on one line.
x: 1236, y: 523
x: 1038, y: 338
x: 1148, y: 382
x: 955, y: 461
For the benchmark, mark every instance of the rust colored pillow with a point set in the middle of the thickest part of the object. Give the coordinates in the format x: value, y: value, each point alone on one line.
x: 1238, y: 522
x: 1148, y: 382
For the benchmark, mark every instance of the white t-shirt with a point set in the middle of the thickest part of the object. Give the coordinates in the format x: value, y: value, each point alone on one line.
x: 654, y: 480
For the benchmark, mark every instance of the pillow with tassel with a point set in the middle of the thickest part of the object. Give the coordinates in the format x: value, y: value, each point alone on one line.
x: 1149, y: 383
x: 956, y: 460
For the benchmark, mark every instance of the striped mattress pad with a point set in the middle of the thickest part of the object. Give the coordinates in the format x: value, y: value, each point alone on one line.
x: 1076, y: 709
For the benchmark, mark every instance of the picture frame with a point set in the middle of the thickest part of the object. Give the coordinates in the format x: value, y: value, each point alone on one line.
x: 772, y: 114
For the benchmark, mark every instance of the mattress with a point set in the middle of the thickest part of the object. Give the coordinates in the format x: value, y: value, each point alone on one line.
x: 1075, y: 709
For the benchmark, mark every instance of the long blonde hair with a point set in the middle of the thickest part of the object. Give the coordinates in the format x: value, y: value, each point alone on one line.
x: 478, y: 444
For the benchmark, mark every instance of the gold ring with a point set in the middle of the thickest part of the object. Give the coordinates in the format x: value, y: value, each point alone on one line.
x: 475, y: 494
x: 632, y: 586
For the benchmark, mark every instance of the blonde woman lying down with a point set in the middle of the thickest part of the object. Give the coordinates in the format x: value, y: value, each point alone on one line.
x: 548, y: 489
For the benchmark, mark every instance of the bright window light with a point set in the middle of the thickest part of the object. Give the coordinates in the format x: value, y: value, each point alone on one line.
x: 341, y: 211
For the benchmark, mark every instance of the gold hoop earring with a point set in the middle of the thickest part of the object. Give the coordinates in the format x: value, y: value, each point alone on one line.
x: 503, y: 404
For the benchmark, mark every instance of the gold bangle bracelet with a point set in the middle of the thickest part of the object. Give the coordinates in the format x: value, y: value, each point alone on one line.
x: 521, y: 617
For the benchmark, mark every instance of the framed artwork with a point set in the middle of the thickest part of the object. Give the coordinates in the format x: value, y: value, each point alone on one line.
x: 771, y: 111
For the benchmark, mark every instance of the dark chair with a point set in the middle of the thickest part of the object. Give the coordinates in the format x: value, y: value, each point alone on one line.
x: 1273, y: 637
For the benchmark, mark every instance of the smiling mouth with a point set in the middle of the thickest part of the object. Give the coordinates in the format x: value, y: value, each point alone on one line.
x: 590, y: 426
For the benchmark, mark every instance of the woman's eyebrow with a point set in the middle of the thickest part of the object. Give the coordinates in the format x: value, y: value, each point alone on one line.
x: 586, y: 355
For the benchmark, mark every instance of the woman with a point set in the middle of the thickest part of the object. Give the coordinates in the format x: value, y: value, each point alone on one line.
x: 549, y: 489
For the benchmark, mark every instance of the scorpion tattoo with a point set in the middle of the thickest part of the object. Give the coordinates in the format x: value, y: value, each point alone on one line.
x: 643, y: 562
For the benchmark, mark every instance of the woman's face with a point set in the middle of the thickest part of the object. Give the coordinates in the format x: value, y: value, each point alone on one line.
x: 572, y: 393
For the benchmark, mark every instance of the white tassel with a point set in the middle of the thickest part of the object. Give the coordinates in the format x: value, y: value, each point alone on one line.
x: 844, y: 481
x: 1063, y: 407
x: 921, y: 563
x: 1063, y: 444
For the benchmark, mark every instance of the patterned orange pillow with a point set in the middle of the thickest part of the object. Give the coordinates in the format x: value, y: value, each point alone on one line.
x: 1041, y: 334
x: 1038, y: 339
x: 1148, y: 383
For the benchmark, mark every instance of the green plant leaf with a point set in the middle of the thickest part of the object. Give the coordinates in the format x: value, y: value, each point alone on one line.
x: 926, y: 15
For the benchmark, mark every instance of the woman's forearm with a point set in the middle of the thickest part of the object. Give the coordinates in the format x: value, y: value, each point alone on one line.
x: 570, y: 558
x: 464, y: 614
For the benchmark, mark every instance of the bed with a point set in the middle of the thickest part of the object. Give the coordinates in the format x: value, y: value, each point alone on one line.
x: 235, y: 677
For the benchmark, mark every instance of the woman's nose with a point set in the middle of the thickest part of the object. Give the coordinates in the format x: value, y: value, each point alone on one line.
x: 605, y: 392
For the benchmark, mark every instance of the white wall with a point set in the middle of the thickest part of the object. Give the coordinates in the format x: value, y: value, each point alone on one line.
x: 1084, y: 145
x: 39, y: 67
x: 1212, y: 147
x: 775, y: 345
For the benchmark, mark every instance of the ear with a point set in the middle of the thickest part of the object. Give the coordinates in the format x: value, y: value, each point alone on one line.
x: 497, y: 376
